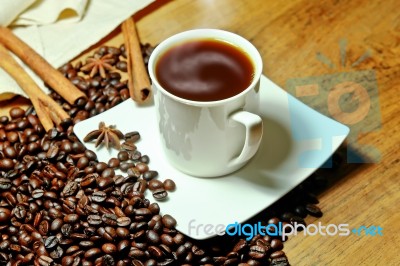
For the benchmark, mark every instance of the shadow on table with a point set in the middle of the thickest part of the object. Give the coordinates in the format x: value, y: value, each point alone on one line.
x: 305, y: 193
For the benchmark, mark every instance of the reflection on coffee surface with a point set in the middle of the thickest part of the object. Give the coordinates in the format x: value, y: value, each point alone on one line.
x: 204, y: 70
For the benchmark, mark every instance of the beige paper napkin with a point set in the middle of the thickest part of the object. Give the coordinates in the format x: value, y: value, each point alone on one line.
x: 60, y: 42
x: 11, y: 9
x: 44, y: 12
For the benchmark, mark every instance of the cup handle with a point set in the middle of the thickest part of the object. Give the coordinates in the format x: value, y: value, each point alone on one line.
x: 254, y: 131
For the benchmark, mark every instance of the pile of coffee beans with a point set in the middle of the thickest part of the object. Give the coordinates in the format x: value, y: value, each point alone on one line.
x: 60, y: 206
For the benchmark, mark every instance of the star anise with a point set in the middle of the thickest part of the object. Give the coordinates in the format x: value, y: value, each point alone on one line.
x: 110, y: 136
x: 99, y: 64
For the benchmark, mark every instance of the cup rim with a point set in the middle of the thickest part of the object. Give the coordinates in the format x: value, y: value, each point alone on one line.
x: 204, y: 33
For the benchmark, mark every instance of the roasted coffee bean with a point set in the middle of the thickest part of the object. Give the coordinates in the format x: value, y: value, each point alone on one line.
x: 277, y: 254
x: 122, y: 232
x: 68, y: 261
x: 66, y: 230
x: 286, y: 216
x: 314, y: 210
x: 56, y: 225
x: 145, y: 159
x: 55, y: 213
x: 17, y: 112
x: 6, y: 164
x: 155, y: 252
x: 123, y: 221
x: 301, y: 211
x: 10, y: 198
x: 118, y: 180
x: 109, y: 248
x: 160, y: 194
x: 107, y: 260
x: 105, y: 182
x: 122, y: 65
x: 135, y: 155
x: 57, y: 253
x: 20, y: 212
x: 140, y: 186
x: 149, y: 175
x: 132, y: 136
x: 274, y: 220
x: 70, y: 189
x: 110, y: 233
x: 51, y: 242
x: 152, y: 237
x: 257, y: 252
x: 37, y: 193
x: 169, y: 185
x: 88, y: 180
x: 197, y: 251
x: 127, y: 188
x: 133, y: 173
x: 12, y: 136
x: 142, y: 167
x: 126, y: 165
x: 43, y: 227
x: 123, y: 246
x: 155, y: 184
x: 72, y: 249
x: 168, y: 221
x: 10, y: 152
x: 5, y: 244
x: 128, y: 146
x: 142, y: 212
x: 281, y: 261
x: 100, y: 167
x: 5, y: 183
x: 108, y: 173
x: 109, y: 219
x: 86, y: 244
x: 82, y: 162
x: 123, y: 156
x: 45, y: 261
x: 167, y: 239
x: 136, y: 253
x: 71, y: 218
x: 240, y: 246
x: 113, y: 163
x: 311, y: 198
x: 93, y: 252
x: 99, y: 196
x: 78, y: 236
x: 276, y: 244
x: 94, y: 219
x: 78, y: 147
x: 179, y: 239
x: 252, y: 262
x: 52, y: 152
x: 294, y: 220
x: 154, y: 208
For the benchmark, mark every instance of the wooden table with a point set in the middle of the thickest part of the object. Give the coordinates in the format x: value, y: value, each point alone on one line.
x: 301, y: 41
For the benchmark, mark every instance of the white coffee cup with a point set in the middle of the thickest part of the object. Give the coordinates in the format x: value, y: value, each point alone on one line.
x: 208, y: 138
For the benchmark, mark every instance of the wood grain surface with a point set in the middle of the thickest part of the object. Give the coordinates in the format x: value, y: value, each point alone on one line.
x: 319, y: 43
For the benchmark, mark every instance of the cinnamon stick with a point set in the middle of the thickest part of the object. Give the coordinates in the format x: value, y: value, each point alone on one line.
x: 40, y: 66
x: 138, y: 80
x: 48, y: 111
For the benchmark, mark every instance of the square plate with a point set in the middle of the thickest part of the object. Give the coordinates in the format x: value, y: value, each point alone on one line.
x: 297, y: 140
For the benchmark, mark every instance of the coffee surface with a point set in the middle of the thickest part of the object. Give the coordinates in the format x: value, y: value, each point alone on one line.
x: 205, y: 70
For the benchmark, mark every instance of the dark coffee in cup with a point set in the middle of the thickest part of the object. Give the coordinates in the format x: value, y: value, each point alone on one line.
x: 204, y: 70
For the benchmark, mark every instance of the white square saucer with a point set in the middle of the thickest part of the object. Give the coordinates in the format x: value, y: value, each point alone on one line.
x: 297, y: 140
